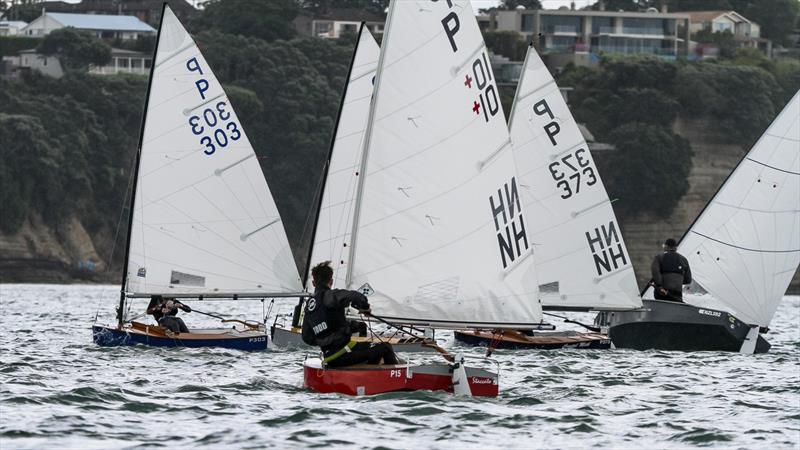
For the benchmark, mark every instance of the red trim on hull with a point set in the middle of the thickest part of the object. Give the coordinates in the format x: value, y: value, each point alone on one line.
x: 369, y: 381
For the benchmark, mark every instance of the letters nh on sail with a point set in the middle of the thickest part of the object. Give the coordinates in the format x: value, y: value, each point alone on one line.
x: 509, y: 223
x: 606, y: 248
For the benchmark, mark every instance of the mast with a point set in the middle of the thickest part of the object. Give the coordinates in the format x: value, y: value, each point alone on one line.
x: 124, y: 282
x: 365, y: 152
x: 327, y: 165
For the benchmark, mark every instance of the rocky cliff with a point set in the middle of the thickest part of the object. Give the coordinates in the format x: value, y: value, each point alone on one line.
x: 713, y: 161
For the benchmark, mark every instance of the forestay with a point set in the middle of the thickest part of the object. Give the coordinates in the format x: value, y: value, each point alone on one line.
x: 744, y: 247
x: 335, y: 218
x: 581, y: 258
x: 440, y: 233
x: 204, y: 220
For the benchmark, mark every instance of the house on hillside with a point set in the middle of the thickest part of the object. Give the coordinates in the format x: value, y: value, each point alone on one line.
x: 580, y: 36
x: 122, y: 61
x: 337, y: 22
x: 148, y: 11
x: 746, y: 32
x: 11, y: 27
x: 102, y: 26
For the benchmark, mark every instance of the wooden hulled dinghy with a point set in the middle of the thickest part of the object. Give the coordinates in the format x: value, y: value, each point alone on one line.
x: 203, y: 223
x: 133, y: 333
x: 516, y: 340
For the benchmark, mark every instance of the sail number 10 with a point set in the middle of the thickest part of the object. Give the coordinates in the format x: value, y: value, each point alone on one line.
x: 216, y: 128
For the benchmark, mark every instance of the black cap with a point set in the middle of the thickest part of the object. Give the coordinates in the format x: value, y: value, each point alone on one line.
x: 670, y: 243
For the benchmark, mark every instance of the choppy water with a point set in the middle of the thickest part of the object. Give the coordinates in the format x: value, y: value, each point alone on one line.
x: 57, y: 389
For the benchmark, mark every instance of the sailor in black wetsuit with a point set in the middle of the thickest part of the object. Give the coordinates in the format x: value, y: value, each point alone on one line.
x: 165, y: 311
x: 325, y: 324
x: 670, y: 271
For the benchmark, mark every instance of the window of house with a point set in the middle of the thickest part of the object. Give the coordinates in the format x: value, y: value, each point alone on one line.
x: 561, y: 24
x: 147, y: 63
x: 602, y: 25
x: 527, y: 22
x: 123, y: 63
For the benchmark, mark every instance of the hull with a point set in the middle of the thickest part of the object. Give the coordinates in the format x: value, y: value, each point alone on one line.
x: 664, y: 325
x: 514, y: 340
x: 290, y: 338
x: 365, y: 379
x: 140, y: 334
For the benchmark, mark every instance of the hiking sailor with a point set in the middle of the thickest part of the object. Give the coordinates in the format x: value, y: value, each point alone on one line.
x: 670, y: 271
x: 325, y: 324
x: 165, y: 311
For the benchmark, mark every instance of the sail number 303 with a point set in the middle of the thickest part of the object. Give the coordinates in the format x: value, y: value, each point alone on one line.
x: 215, y: 124
x: 215, y: 127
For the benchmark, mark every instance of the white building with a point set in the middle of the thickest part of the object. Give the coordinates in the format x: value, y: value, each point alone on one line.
x: 103, y: 26
x: 11, y: 27
x: 746, y: 32
x: 122, y: 61
x: 338, y: 22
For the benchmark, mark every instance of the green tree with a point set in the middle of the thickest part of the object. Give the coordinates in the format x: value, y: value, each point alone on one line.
x: 267, y: 20
x: 649, y: 169
x: 76, y: 49
x: 507, y: 43
x: 723, y: 40
x: 527, y: 4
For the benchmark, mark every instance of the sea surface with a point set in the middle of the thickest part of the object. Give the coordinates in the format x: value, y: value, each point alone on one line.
x: 59, y: 390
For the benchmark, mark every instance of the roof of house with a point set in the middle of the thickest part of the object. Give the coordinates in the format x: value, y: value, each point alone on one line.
x: 12, y: 23
x: 708, y: 16
x: 101, y: 22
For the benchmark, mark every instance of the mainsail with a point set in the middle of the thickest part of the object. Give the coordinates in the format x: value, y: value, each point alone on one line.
x: 204, y: 220
x: 581, y: 259
x: 335, y: 217
x: 440, y: 233
x: 744, y: 247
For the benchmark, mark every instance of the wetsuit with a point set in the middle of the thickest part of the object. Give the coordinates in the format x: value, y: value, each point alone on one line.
x: 325, y: 325
x: 165, y: 312
x: 670, y: 271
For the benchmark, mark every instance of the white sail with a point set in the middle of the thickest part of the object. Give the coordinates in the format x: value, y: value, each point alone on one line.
x: 440, y: 233
x: 744, y: 247
x: 581, y: 258
x: 335, y: 219
x: 204, y: 220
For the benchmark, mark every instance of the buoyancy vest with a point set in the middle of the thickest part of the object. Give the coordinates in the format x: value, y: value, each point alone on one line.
x: 323, y: 326
x: 671, y: 263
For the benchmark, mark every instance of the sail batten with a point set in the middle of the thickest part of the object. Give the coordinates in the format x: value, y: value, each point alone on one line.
x: 581, y: 258
x: 203, y: 217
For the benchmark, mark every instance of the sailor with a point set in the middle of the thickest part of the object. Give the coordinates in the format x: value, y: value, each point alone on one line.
x: 325, y: 324
x: 670, y: 271
x: 165, y: 311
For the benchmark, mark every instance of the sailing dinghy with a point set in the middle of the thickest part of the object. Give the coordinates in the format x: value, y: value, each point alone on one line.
x: 203, y: 224
x: 334, y: 219
x: 581, y: 260
x: 743, y: 249
x: 439, y: 236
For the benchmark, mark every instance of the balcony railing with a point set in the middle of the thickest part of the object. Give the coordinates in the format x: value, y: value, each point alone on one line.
x: 633, y: 50
x: 564, y: 29
x: 640, y: 30
x: 605, y: 30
